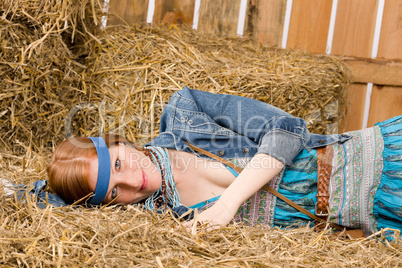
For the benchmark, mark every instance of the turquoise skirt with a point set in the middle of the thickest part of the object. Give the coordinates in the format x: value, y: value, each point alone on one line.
x: 365, y: 185
x: 388, y: 199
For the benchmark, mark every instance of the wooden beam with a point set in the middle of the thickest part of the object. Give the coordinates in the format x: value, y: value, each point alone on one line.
x: 376, y: 71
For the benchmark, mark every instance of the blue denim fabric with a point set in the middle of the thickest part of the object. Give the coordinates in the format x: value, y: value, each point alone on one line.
x: 233, y: 126
x: 36, y: 192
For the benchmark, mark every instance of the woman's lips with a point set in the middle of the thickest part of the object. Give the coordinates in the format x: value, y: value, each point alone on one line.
x: 144, y: 180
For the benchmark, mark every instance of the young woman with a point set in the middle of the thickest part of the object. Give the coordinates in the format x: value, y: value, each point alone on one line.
x: 360, y: 173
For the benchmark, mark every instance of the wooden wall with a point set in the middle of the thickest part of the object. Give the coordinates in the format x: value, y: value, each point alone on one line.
x: 303, y: 25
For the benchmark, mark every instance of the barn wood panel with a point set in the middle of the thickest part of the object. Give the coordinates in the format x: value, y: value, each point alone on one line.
x: 377, y: 71
x: 127, y: 12
x: 390, y: 46
x: 264, y: 21
x: 174, y: 11
x: 355, y: 108
x: 386, y: 101
x: 219, y: 16
x: 353, y: 36
x: 354, y: 28
x: 309, y: 25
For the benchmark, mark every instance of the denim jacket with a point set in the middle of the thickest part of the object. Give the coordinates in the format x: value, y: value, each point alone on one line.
x: 233, y: 126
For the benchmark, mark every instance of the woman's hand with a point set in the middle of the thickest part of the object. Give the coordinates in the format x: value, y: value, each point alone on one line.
x: 258, y: 172
x: 216, y: 216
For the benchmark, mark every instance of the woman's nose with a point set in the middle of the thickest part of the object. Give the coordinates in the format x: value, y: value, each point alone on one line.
x: 130, y: 182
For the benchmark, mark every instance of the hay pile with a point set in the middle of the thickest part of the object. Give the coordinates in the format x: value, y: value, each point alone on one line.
x: 55, y: 64
x: 53, y: 56
x: 128, y: 237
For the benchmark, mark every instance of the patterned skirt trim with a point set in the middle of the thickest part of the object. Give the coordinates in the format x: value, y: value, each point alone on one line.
x: 356, y: 174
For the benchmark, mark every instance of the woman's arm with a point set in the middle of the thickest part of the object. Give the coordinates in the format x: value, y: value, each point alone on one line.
x: 259, y: 171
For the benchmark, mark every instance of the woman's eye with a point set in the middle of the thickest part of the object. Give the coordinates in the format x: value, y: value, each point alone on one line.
x: 117, y: 164
x: 114, y: 193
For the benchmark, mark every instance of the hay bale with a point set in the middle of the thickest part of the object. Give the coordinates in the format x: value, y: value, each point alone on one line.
x: 40, y: 48
x: 139, y: 68
x: 54, y: 57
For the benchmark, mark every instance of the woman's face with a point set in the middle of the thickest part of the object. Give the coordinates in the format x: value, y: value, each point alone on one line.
x: 133, y: 176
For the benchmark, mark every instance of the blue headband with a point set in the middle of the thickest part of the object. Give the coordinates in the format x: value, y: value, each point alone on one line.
x: 102, y: 183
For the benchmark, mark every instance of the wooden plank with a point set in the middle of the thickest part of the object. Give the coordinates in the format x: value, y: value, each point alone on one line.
x: 355, y: 108
x: 219, y: 16
x: 376, y: 71
x: 264, y: 21
x: 391, y: 31
x: 309, y: 25
x: 127, y: 12
x: 386, y: 102
x: 354, y: 28
x: 174, y: 11
x: 353, y: 36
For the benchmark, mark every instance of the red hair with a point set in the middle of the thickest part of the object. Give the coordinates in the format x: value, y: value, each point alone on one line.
x: 69, y: 166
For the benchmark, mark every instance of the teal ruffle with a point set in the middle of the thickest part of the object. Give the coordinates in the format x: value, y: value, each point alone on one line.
x: 299, y: 184
x: 388, y: 199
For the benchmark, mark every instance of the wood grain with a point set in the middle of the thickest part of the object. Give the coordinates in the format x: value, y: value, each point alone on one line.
x: 219, y: 16
x: 386, y: 102
x: 174, y: 11
x: 355, y: 108
x: 390, y: 46
x: 353, y: 36
x: 264, y: 21
x: 127, y: 12
x: 376, y: 71
x: 309, y: 25
x: 354, y: 28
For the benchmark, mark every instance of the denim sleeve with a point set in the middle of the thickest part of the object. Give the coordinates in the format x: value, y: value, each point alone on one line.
x: 285, y: 138
x: 276, y: 132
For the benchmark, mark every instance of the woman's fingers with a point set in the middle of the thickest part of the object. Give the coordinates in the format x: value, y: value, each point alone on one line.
x: 193, y: 225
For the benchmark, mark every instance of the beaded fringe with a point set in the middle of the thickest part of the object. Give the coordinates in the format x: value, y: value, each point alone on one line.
x: 167, y: 195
